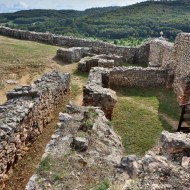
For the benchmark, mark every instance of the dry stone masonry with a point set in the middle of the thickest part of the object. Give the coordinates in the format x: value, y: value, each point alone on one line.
x: 181, y: 65
x: 72, y: 55
x: 102, y: 60
x: 27, y: 111
x: 97, y: 93
x: 160, y: 52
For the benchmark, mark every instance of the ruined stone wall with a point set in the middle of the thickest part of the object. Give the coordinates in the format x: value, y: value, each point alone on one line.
x: 131, y: 54
x: 96, y: 91
x: 25, y: 114
x: 138, y: 77
x: 181, y: 67
x: 160, y: 53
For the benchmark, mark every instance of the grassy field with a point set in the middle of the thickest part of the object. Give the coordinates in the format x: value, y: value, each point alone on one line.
x: 24, y: 61
x: 141, y: 114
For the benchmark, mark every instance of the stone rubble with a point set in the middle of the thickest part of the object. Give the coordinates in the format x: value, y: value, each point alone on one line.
x: 159, y: 170
x: 84, y: 168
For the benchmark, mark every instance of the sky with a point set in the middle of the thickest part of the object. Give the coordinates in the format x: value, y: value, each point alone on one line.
x: 15, y: 5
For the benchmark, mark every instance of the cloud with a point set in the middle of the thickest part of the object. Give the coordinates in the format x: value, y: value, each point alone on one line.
x: 20, y: 6
x: 15, y: 5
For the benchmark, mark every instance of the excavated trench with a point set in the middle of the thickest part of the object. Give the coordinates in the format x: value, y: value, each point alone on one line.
x: 25, y: 168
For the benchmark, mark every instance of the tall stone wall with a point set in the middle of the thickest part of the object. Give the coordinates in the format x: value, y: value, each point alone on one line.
x: 25, y: 114
x: 131, y: 54
x: 181, y: 67
x: 160, y: 53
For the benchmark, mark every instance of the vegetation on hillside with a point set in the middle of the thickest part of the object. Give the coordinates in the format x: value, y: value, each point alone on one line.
x: 118, y: 24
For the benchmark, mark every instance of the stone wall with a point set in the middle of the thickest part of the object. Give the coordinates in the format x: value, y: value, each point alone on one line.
x: 72, y: 55
x: 138, y: 77
x: 102, y: 60
x: 137, y: 54
x: 160, y: 53
x: 96, y: 91
x: 25, y: 114
x: 181, y: 66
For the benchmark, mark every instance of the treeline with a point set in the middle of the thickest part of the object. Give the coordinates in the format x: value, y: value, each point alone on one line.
x: 118, y: 24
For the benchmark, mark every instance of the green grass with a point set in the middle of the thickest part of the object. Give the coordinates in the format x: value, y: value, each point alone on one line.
x: 45, y: 165
x: 75, y: 90
x: 104, y: 185
x: 83, y: 75
x: 24, y: 52
x: 137, y: 116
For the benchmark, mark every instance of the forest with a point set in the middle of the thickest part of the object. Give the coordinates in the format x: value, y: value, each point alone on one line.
x: 128, y: 25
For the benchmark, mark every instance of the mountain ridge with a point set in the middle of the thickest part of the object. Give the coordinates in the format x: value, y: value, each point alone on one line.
x: 141, y: 20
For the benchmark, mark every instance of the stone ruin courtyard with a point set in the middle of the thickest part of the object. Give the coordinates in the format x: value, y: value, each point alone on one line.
x: 85, y: 151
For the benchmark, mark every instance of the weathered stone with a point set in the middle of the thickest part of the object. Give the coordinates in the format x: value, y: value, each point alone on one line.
x: 95, y: 95
x: 71, y: 55
x: 80, y: 144
x: 130, y: 164
x: 174, y: 143
x: 64, y: 117
x: 185, y: 162
x: 103, y: 151
x: 27, y: 112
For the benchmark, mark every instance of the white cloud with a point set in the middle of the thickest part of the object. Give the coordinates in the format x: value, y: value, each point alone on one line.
x: 23, y: 4
x: 15, y: 5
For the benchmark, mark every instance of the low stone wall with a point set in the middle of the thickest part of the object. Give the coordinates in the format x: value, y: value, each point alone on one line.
x: 106, y: 61
x: 160, y: 53
x: 25, y: 114
x: 96, y: 92
x: 138, y: 77
x: 72, y: 55
x: 137, y: 54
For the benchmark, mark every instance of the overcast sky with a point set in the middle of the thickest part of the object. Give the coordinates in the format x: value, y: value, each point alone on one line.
x: 15, y: 5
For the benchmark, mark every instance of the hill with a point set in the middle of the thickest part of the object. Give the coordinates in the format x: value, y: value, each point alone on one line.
x: 140, y: 21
